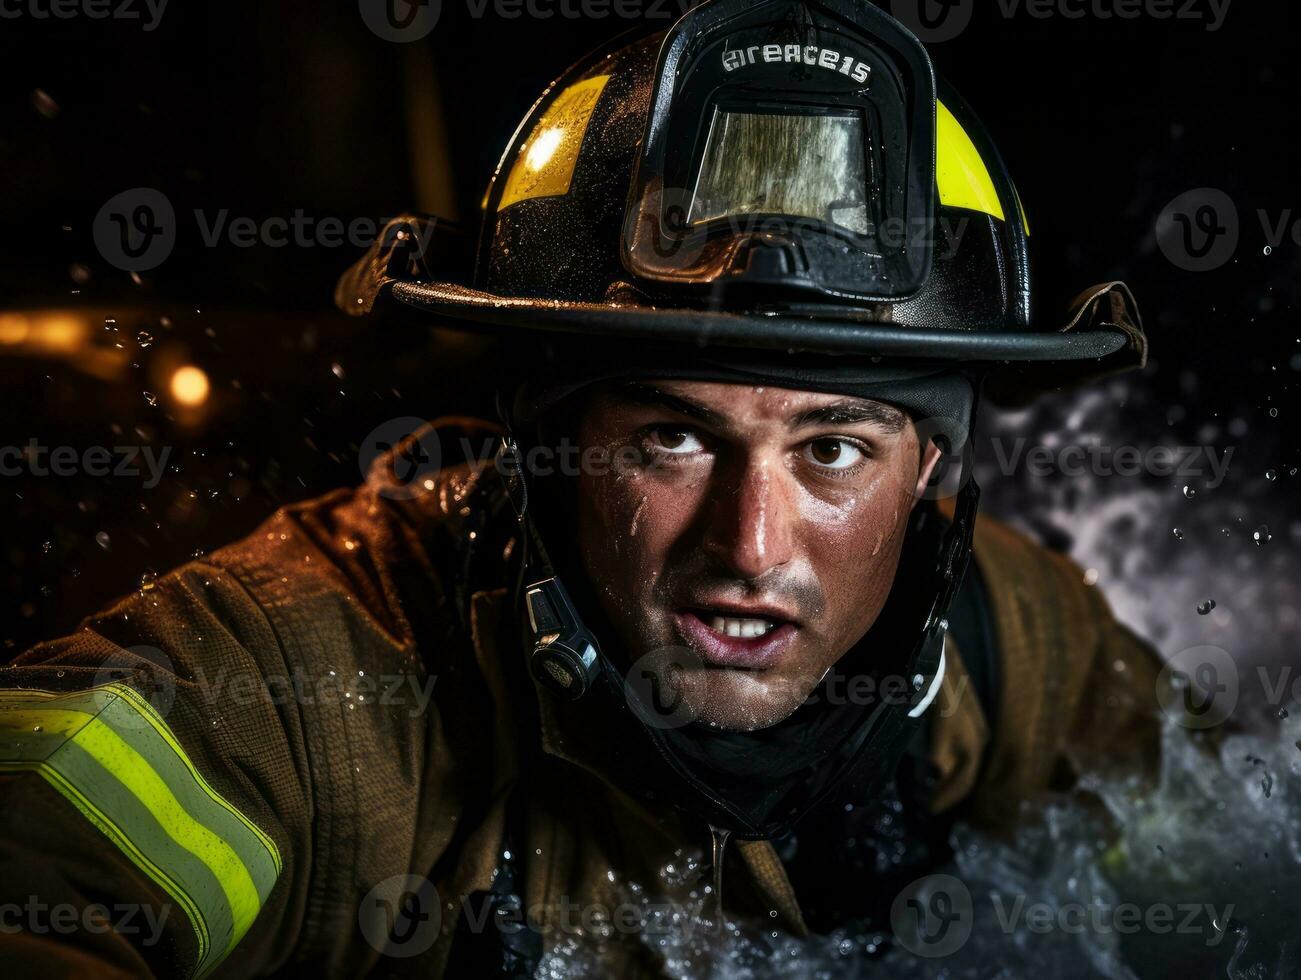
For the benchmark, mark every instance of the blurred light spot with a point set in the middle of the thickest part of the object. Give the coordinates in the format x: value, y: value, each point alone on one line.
x: 189, y: 386
x: 58, y: 332
x: 13, y: 328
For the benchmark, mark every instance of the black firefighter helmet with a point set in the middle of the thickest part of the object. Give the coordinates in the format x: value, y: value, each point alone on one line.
x: 780, y: 191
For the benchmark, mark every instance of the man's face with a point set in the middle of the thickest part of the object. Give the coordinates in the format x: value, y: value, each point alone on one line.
x: 761, y: 530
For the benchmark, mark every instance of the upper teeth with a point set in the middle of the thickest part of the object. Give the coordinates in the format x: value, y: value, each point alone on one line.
x: 740, y: 627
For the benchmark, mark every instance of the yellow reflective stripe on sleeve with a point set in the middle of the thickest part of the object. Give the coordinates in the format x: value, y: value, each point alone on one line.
x: 110, y: 751
x: 961, y: 174
x: 146, y: 710
x: 110, y: 829
x: 545, y: 164
x: 114, y: 758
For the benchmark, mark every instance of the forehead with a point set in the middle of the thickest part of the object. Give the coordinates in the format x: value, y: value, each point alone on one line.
x: 742, y: 405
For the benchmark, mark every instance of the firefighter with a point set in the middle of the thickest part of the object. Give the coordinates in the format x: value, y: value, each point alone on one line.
x: 717, y: 600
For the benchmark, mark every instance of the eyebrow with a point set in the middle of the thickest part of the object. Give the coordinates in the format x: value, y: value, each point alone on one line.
x: 643, y: 394
x: 850, y: 411
x: 853, y: 412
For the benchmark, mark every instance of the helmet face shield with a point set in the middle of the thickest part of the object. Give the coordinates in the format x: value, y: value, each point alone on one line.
x: 790, y: 146
x: 786, y: 163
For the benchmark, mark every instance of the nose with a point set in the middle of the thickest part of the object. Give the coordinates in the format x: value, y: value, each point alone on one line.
x: 753, y: 519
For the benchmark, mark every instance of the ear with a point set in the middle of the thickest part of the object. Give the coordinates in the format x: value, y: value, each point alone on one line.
x: 930, y: 457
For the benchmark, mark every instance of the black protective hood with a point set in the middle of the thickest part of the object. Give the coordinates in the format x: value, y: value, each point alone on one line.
x: 938, y: 397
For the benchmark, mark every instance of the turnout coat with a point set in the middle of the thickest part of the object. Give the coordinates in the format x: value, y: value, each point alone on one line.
x: 303, y: 752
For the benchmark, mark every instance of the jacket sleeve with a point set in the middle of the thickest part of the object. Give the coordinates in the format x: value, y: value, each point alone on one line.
x: 153, y: 820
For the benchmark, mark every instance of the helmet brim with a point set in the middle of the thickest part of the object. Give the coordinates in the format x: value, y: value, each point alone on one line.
x: 1104, y: 345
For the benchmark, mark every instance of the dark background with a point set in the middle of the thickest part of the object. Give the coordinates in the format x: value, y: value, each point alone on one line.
x: 263, y: 109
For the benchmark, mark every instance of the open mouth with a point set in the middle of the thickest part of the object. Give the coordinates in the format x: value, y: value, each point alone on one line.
x: 740, y: 628
x: 725, y: 638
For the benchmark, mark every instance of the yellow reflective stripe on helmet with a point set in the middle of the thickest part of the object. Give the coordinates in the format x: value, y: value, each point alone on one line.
x: 111, y: 755
x: 545, y: 164
x: 961, y: 174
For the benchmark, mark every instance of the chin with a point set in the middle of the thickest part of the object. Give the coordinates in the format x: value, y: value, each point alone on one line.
x: 741, y: 700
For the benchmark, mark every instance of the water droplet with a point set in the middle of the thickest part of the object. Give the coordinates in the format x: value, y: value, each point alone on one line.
x: 1261, y: 535
x: 1271, y: 475
x: 1269, y: 249
x: 1273, y: 413
x: 102, y: 539
x: 1189, y: 492
x: 43, y: 103
x: 151, y: 398
x: 144, y: 339
x: 1178, y: 532
x: 337, y: 369
x: 1204, y: 607
x: 47, y: 546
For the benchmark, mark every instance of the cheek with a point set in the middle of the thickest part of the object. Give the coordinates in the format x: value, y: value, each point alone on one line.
x: 627, y: 525
x: 854, y: 544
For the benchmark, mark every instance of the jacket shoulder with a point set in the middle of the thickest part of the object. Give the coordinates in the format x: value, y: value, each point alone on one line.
x: 1077, y: 689
x: 319, y: 675
x: 1040, y: 597
x: 396, y: 559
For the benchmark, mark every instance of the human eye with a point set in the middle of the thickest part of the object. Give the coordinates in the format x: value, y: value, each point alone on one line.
x: 835, y: 454
x: 673, y: 440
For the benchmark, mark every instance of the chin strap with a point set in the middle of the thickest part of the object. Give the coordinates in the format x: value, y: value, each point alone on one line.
x: 565, y: 658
